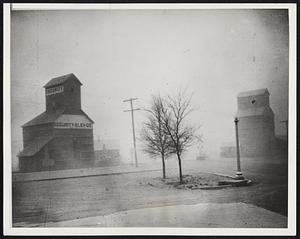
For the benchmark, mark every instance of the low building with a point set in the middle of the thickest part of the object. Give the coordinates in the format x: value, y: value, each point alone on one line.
x: 62, y: 136
x: 107, y: 152
x: 228, y: 150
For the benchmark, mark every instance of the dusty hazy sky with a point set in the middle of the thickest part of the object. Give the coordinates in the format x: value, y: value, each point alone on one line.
x: 118, y: 54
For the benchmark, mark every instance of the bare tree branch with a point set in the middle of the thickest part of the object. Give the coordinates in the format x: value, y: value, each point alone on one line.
x: 181, y: 135
x: 157, y: 142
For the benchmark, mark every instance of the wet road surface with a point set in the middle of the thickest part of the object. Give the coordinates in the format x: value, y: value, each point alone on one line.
x: 39, y: 202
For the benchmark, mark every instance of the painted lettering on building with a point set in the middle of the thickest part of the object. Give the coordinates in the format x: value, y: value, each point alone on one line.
x: 55, y: 90
x: 63, y: 125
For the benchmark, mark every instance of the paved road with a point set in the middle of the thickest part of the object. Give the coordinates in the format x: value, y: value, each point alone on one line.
x: 204, y: 215
x: 40, y: 202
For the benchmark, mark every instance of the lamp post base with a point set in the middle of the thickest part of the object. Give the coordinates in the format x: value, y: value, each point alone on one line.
x: 239, y: 175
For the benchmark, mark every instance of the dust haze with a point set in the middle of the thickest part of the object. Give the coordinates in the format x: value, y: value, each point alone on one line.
x: 117, y: 54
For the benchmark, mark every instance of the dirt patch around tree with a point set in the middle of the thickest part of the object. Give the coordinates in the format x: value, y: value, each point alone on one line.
x: 190, y: 182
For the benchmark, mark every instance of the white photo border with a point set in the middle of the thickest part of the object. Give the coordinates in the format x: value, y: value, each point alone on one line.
x: 7, y: 169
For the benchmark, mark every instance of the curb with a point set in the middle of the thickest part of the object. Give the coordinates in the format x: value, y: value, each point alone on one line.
x: 223, y: 175
x: 212, y: 187
x: 83, y: 176
x: 112, y: 173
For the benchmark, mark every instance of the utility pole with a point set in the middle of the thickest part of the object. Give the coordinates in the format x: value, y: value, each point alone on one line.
x: 239, y: 174
x: 133, y: 130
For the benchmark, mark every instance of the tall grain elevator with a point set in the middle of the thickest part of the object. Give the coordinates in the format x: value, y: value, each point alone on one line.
x: 256, y: 123
x: 62, y: 136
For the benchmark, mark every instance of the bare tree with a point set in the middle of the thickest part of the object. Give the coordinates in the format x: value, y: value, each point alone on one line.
x: 180, y: 133
x: 157, y: 142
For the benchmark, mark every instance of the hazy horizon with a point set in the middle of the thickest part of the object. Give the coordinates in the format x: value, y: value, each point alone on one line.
x: 118, y: 54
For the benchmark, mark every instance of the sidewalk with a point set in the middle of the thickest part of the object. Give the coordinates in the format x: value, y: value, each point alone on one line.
x: 224, y: 167
x: 205, y: 215
x: 83, y: 172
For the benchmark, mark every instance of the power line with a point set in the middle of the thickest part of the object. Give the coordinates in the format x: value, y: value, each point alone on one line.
x: 133, y: 130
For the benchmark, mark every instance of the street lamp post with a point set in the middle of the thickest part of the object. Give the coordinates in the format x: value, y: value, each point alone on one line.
x: 239, y: 174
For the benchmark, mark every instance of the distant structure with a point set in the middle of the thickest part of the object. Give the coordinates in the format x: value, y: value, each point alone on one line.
x: 107, y: 152
x: 228, y: 150
x: 256, y: 123
x: 62, y: 136
x: 256, y: 127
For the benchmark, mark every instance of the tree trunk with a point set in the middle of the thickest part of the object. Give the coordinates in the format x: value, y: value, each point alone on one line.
x: 180, y: 171
x: 163, y: 165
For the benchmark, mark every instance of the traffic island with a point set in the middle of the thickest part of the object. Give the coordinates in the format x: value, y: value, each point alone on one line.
x: 236, y: 182
x: 204, y: 181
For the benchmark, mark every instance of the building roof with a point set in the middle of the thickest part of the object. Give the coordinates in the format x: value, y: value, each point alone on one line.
x: 44, y: 118
x: 61, y: 79
x: 87, y: 116
x: 255, y: 111
x: 70, y: 118
x: 254, y: 92
x: 49, y: 117
x: 35, y: 146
